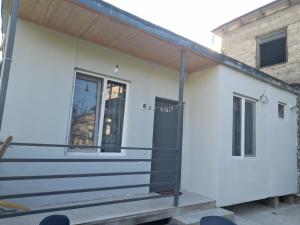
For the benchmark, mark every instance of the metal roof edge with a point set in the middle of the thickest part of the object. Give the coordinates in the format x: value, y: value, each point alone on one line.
x: 220, y: 33
x: 171, y: 37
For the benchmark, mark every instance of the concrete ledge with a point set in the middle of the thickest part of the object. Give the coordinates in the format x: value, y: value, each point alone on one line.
x: 195, y: 217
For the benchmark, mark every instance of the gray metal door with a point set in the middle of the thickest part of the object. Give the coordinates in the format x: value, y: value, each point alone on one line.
x: 164, y: 136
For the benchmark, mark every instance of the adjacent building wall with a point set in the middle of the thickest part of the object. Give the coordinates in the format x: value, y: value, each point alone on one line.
x: 241, y: 43
x: 38, y: 109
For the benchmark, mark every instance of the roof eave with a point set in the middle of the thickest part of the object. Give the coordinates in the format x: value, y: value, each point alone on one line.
x: 132, y: 20
x: 220, y: 30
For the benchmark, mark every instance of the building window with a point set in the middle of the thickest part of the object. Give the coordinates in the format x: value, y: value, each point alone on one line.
x: 281, y: 110
x: 237, y: 119
x: 113, y: 115
x: 243, y: 135
x: 86, y: 113
x: 272, y: 49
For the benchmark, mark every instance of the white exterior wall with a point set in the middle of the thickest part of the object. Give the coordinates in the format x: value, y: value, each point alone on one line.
x: 38, y: 109
x: 211, y: 169
x: 273, y: 172
x: 202, y: 125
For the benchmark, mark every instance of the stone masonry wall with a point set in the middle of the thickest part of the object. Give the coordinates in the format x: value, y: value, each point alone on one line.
x: 298, y: 155
x: 241, y: 43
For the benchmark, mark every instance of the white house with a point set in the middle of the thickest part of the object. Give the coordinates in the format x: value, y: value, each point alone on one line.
x: 86, y: 73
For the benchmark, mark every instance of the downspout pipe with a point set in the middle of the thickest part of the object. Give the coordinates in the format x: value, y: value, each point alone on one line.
x: 7, y: 57
x: 182, y: 74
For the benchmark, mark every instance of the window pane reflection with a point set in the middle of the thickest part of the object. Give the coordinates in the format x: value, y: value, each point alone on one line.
x: 84, y: 114
x: 113, y: 116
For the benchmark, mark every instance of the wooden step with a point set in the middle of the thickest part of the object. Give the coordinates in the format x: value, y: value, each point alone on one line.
x: 195, y: 217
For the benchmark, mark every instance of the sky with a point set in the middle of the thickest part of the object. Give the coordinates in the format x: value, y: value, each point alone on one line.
x: 193, y: 19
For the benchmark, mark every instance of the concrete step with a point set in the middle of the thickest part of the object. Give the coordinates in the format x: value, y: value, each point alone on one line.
x: 195, y: 217
x: 241, y: 221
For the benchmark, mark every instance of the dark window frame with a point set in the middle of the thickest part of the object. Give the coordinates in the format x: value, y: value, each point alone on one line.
x: 281, y: 106
x: 109, y: 113
x: 260, y: 40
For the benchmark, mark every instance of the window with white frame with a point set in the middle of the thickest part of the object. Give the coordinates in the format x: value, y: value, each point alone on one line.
x: 97, y: 113
x: 243, y: 127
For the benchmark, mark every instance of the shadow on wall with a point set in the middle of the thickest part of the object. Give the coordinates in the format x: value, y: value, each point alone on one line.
x: 297, y: 86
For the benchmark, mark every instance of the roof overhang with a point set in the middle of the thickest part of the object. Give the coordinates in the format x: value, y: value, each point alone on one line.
x: 254, y: 15
x: 101, y: 23
x: 107, y: 25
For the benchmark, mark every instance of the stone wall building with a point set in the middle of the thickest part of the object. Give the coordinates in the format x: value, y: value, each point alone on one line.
x: 267, y: 38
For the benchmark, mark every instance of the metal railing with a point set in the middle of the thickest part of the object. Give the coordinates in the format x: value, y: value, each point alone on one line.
x: 174, y: 184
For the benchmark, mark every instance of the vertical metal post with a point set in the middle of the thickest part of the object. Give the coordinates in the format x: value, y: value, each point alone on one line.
x: 7, y: 57
x: 179, y: 126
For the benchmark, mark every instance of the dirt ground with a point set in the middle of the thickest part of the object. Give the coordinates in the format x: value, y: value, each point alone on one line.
x: 259, y: 214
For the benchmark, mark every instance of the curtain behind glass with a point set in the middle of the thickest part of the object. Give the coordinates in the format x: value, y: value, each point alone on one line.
x: 249, y: 128
x: 236, y: 133
x: 113, y: 116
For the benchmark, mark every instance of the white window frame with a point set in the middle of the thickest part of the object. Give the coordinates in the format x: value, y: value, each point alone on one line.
x: 98, y: 152
x: 243, y: 100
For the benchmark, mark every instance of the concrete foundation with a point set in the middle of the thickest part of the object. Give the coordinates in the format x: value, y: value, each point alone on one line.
x: 272, y: 202
x: 288, y: 199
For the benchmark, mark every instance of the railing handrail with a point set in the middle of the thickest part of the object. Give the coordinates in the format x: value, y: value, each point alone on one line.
x: 82, y: 190
x: 49, y: 160
x: 76, y: 175
x: 27, y: 144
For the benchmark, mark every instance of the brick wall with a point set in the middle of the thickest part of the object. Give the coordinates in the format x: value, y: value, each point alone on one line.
x: 241, y: 43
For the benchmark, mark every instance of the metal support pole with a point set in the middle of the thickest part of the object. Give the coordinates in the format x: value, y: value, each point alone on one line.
x: 179, y: 126
x: 7, y: 58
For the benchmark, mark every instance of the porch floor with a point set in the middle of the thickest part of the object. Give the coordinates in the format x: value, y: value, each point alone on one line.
x: 124, y: 213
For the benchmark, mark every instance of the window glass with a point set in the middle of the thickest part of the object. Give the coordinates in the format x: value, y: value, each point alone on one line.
x: 281, y: 111
x: 113, y: 116
x: 85, y: 111
x: 249, y: 128
x: 272, y: 49
x: 236, y: 136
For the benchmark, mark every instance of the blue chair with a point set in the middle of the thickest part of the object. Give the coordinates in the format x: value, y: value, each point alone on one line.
x: 216, y: 220
x: 55, y: 220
